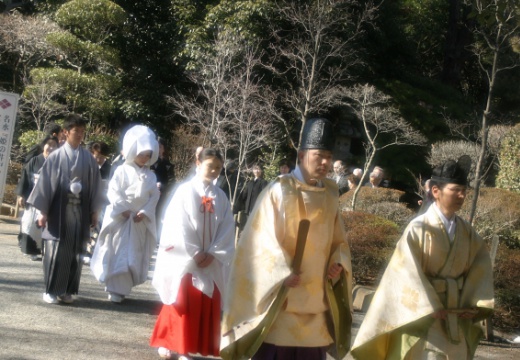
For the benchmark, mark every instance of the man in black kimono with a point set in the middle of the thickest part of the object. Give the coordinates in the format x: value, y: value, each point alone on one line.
x: 69, y: 196
x: 252, y: 189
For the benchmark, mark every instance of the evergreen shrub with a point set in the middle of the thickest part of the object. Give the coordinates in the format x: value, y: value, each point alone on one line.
x: 30, y: 138
x: 507, y: 295
x: 498, y: 212
x: 97, y: 133
x: 372, y: 240
x: 383, y: 202
x: 443, y: 151
x: 509, y: 159
x: 14, y: 172
x: 9, y: 194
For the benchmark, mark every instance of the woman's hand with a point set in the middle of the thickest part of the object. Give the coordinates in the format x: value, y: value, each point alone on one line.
x: 139, y: 217
x: 203, y: 259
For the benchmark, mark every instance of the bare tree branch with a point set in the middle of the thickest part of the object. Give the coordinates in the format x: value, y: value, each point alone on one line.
x: 24, y: 38
x: 230, y: 105
x: 382, y: 123
x: 497, y: 23
x: 316, y: 53
x: 39, y: 102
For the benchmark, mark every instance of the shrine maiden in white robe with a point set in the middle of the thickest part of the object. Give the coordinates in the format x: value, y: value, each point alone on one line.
x: 185, y: 232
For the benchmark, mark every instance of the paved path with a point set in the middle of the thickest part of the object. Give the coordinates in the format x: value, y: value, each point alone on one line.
x: 92, y: 327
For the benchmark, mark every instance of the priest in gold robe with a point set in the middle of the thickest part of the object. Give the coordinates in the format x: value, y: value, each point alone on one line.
x: 271, y: 310
x: 437, y: 286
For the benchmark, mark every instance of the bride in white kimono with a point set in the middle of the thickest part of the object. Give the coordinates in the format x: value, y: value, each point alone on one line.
x: 128, y: 237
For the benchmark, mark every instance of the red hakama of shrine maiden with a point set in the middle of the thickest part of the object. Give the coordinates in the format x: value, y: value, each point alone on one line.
x: 195, y: 315
x: 197, y: 219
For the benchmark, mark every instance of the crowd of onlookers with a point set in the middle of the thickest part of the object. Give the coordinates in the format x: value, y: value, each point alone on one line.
x: 349, y: 177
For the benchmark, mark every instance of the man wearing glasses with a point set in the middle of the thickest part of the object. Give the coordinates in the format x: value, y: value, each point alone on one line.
x: 437, y: 286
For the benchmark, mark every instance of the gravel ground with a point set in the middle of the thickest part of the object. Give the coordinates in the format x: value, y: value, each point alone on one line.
x: 93, y: 327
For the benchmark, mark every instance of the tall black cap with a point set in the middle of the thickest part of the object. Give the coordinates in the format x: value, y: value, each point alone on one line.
x: 318, y: 133
x: 453, y: 172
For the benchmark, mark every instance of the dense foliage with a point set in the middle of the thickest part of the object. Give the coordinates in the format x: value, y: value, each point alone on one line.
x: 390, y: 204
x: 507, y: 273
x: 509, y: 159
x: 498, y: 213
x: 372, y: 240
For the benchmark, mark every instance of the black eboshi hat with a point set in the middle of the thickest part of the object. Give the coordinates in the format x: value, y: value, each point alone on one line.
x: 453, y: 172
x: 318, y: 133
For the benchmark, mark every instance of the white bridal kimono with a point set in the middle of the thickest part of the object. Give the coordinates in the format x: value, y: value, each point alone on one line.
x: 122, y: 254
x: 124, y: 248
x: 187, y: 230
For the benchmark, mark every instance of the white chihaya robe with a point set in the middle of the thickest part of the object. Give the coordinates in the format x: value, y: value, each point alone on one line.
x: 186, y: 231
x: 122, y: 254
x: 427, y: 273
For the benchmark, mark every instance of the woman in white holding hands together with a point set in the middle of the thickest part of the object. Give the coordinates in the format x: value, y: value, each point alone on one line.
x: 197, y: 244
x: 128, y: 237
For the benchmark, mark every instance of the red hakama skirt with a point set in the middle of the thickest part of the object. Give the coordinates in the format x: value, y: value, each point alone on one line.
x: 192, y: 324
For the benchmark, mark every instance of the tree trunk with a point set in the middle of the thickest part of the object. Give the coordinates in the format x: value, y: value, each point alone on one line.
x: 363, y: 177
x: 484, y: 128
x: 458, y: 37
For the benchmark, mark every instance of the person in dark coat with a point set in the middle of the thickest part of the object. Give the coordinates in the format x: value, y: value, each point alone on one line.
x: 101, y: 152
x: 30, y: 174
x: 165, y: 172
x: 340, y: 176
x: 252, y: 189
x: 51, y: 129
x: 228, y: 181
x: 285, y: 166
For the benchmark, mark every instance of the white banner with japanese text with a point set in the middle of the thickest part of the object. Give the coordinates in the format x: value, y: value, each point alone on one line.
x: 8, y: 109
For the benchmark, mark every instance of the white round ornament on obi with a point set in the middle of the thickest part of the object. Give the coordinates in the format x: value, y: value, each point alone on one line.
x: 75, y: 188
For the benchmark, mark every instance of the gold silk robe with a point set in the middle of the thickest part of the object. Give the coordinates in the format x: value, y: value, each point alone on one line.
x: 258, y: 307
x: 427, y: 273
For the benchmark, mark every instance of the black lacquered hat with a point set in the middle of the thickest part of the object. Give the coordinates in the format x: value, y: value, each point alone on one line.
x: 453, y: 172
x: 318, y: 133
